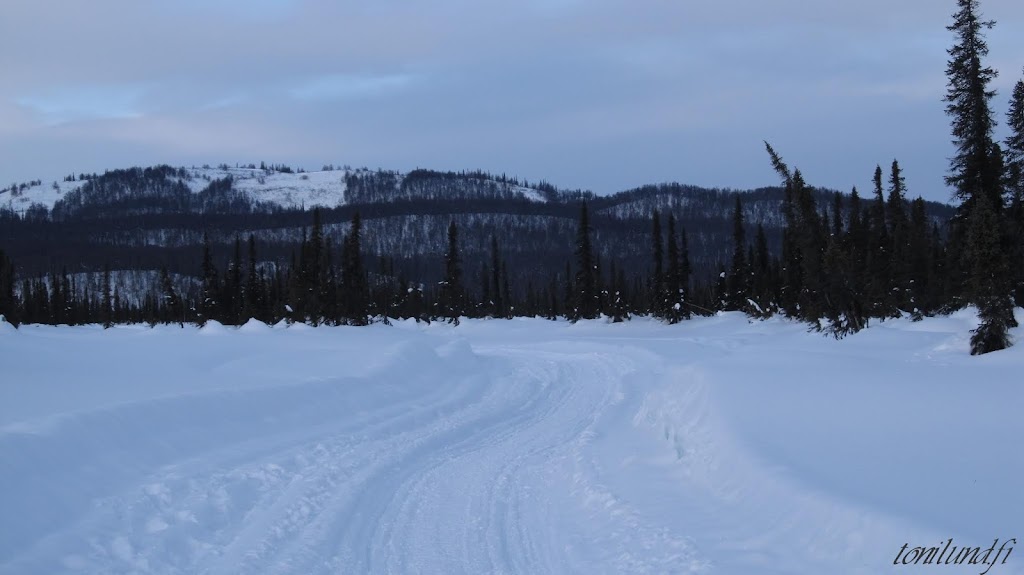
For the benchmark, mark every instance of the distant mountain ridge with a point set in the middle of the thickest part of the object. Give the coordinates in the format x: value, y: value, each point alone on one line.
x: 284, y: 187
x: 146, y: 218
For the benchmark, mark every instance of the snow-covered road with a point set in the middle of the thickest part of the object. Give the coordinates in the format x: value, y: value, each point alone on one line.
x: 495, y: 447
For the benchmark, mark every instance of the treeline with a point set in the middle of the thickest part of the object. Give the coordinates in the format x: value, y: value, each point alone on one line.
x: 840, y: 266
x: 157, y: 190
x: 133, y: 232
x: 374, y: 187
x: 328, y: 283
x: 843, y: 265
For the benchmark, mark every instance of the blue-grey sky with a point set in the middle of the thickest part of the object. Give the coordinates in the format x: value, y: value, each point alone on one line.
x: 598, y: 94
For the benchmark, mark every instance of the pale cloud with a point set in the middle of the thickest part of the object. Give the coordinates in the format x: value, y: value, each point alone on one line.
x: 347, y: 86
x: 75, y: 103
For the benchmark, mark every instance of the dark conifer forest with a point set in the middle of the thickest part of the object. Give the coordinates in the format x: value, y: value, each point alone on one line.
x: 142, y: 246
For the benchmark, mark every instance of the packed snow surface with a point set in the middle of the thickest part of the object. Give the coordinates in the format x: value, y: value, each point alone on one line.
x: 716, y: 446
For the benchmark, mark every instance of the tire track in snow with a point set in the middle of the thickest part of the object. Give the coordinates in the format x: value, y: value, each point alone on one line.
x: 479, y: 467
x: 486, y: 461
x: 183, y: 518
x: 511, y: 498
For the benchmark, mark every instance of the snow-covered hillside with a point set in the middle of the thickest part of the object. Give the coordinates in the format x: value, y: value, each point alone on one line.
x: 310, y: 189
x: 44, y: 193
x: 715, y: 446
x: 288, y: 190
x: 285, y: 189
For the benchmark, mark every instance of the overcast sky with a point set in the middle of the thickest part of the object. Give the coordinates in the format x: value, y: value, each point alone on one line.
x: 603, y: 94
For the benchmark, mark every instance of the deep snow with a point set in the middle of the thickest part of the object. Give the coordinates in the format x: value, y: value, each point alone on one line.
x: 719, y: 445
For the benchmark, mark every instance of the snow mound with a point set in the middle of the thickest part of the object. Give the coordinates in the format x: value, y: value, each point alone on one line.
x: 213, y: 327
x: 254, y: 326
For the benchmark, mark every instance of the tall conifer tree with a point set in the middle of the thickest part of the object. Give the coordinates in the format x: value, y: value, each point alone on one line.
x: 673, y: 279
x: 1014, y: 163
x: 738, y: 276
x: 658, y: 274
x: 209, y: 296
x: 355, y: 291
x: 587, y: 294
x: 107, y: 300
x: 899, y: 237
x: 8, y: 303
x: 976, y: 176
x: 451, y: 287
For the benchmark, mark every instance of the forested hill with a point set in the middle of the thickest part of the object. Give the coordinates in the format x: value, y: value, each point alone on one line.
x: 137, y: 221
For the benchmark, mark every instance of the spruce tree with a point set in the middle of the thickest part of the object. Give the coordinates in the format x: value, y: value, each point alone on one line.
x: 858, y: 248
x: 451, y: 288
x: 506, y: 294
x: 657, y: 280
x: 209, y: 300
x: 673, y: 278
x: 721, y: 293
x: 587, y: 296
x: 233, y: 287
x: 990, y: 287
x: 485, y: 307
x: 836, y: 285
x: 803, y: 246
x: 569, y: 294
x: 254, y: 297
x: 290, y: 290
x: 355, y: 289
x: 738, y: 276
x: 791, y: 272
x: 919, y: 259
x: 976, y: 176
x: 967, y: 103
x: 1013, y: 152
x: 811, y: 238
x: 553, y: 310
x: 1014, y: 164
x: 619, y: 308
x: 843, y: 307
x: 939, y: 285
x: 495, y: 284
x: 879, y: 287
x: 8, y: 303
x: 119, y: 311
x: 329, y: 288
x: 106, y: 303
x: 314, y: 272
x: 896, y: 218
x: 56, y: 304
x: 685, y: 271
x: 895, y: 211
x: 173, y: 310
x: 761, y: 274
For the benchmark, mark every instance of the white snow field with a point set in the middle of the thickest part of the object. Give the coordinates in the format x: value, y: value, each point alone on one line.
x: 719, y: 445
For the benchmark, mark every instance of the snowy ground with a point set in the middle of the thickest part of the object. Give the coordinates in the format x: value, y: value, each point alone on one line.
x: 716, y: 446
